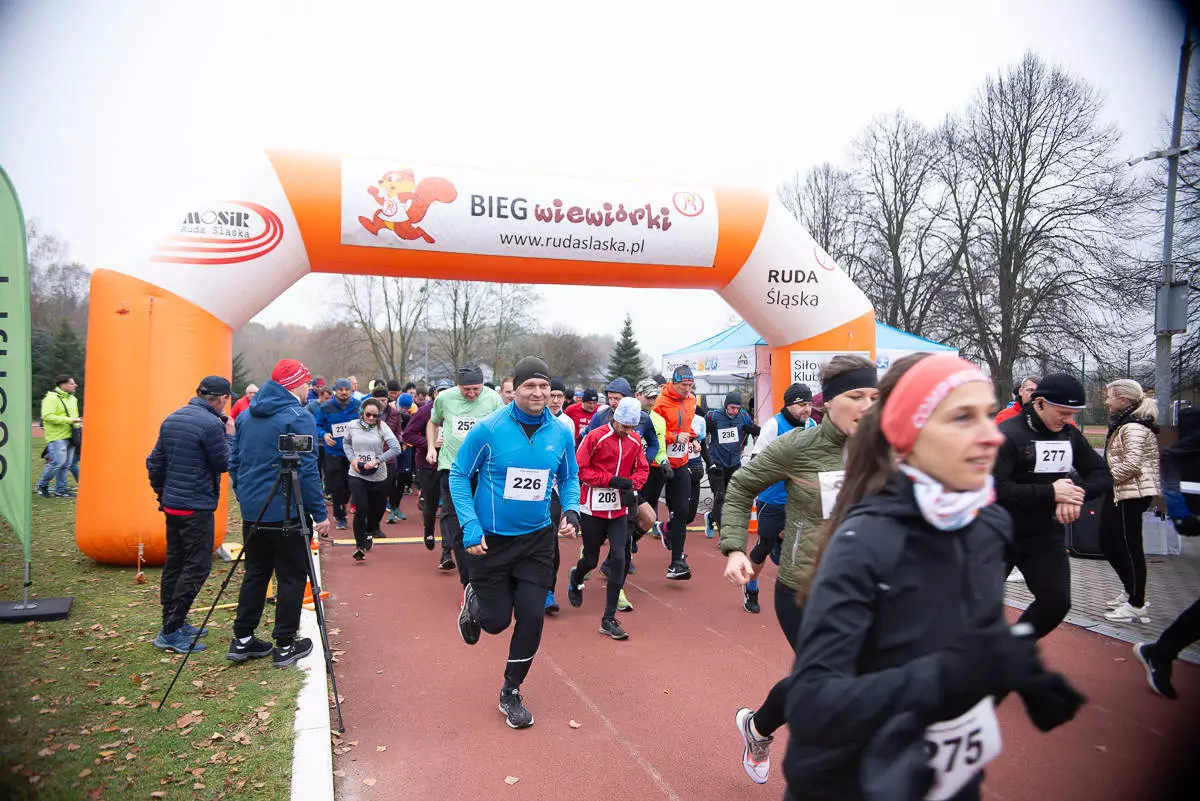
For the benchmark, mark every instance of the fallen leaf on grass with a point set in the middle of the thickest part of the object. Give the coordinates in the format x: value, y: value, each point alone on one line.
x: 184, y: 721
x: 369, y: 782
x: 511, y: 780
x: 381, y: 748
x: 197, y: 683
x: 17, y: 719
x: 159, y: 794
x: 83, y: 774
x: 198, y: 786
x: 264, y: 715
x: 45, y: 752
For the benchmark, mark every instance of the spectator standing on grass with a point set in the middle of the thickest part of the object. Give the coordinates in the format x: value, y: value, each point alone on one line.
x: 185, y: 470
x: 60, y: 421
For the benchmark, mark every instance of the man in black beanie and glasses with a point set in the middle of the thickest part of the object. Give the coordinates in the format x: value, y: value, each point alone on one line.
x: 513, y: 458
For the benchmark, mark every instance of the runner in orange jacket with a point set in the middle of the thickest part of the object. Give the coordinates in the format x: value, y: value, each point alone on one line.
x: 677, y: 406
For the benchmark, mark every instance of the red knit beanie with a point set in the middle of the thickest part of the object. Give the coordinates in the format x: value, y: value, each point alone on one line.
x: 918, y: 394
x: 291, y: 373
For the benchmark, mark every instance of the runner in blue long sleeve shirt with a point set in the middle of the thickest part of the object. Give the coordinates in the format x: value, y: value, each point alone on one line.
x: 509, y: 538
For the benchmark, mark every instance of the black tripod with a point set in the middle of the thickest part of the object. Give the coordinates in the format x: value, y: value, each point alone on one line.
x: 287, y: 479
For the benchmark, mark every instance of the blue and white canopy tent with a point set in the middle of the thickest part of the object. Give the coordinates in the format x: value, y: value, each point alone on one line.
x: 738, y: 355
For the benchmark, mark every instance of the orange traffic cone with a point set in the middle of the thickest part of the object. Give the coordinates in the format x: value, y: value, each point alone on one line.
x: 753, y: 527
x: 308, y: 596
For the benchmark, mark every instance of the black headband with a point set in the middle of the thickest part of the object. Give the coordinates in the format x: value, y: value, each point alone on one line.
x: 862, y: 378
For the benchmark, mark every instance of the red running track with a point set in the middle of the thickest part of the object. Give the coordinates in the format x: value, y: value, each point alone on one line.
x: 655, y: 712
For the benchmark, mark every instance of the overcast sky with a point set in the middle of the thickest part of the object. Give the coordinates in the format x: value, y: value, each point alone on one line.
x: 107, y: 107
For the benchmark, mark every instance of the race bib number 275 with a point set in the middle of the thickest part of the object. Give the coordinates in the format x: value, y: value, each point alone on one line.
x: 1052, y: 456
x: 958, y: 749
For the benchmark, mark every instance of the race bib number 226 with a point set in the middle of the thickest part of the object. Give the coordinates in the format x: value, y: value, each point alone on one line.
x: 524, y: 484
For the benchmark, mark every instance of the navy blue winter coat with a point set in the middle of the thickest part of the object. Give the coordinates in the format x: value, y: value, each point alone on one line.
x: 254, y: 460
x: 189, y: 457
x: 332, y: 413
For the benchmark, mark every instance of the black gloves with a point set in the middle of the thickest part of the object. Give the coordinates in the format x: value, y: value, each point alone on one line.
x: 619, y: 482
x: 572, y: 517
x: 668, y: 471
x: 628, y: 497
x: 715, y: 469
x: 1050, y: 700
x: 983, y: 662
x: 1188, y: 526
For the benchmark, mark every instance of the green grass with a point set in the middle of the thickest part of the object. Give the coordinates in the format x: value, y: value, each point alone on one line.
x: 78, y: 697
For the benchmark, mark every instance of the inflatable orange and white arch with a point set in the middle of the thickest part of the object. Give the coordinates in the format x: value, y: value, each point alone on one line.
x: 168, y: 319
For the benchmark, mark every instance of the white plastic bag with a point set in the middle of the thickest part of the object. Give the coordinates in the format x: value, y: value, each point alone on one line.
x: 1159, y: 537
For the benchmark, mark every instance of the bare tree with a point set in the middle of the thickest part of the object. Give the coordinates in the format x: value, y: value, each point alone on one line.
x: 907, y: 263
x: 58, y: 289
x: 388, y: 312
x: 823, y: 201
x: 1054, y: 221
x: 572, y: 357
x: 461, y: 313
x: 514, y: 307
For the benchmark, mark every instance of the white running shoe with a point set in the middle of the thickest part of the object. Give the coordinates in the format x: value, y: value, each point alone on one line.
x: 1015, y: 576
x: 1125, y: 613
x: 756, y: 758
x: 1119, y: 600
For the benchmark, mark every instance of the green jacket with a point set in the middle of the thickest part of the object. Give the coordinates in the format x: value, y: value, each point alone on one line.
x: 56, y: 420
x: 798, y: 457
x: 660, y: 431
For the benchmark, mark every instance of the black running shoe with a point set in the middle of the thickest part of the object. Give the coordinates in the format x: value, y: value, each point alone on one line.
x: 678, y: 571
x: 359, y: 554
x: 468, y: 626
x: 750, y: 604
x: 288, y: 655
x: 421, y: 504
x: 1158, y: 671
x: 612, y: 627
x: 574, y: 591
x: 44, y: 492
x: 255, y: 649
x: 370, y: 541
x: 515, y: 713
x: 429, y: 542
x: 447, y: 562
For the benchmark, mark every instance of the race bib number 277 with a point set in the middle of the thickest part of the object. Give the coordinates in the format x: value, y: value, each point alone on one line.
x: 1052, y: 456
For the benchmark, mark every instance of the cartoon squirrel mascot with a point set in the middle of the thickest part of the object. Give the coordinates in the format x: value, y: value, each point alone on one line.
x: 404, y: 203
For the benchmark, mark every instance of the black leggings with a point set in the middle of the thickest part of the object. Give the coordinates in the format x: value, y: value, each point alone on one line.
x: 773, y: 712
x: 431, y: 495
x: 771, y: 517
x: 451, y: 530
x: 595, y: 531
x: 678, y: 489
x: 370, y: 501
x: 1042, y: 559
x: 696, y: 472
x: 652, y: 489
x: 1121, y: 541
x: 718, y: 480
x: 1180, y: 634
x: 399, y: 485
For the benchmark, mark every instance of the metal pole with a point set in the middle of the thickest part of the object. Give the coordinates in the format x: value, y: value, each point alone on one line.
x: 1162, y: 356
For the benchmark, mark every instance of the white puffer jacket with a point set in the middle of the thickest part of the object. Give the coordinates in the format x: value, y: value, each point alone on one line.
x: 1132, y: 456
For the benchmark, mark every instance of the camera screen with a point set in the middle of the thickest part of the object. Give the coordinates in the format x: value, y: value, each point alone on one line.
x: 295, y: 443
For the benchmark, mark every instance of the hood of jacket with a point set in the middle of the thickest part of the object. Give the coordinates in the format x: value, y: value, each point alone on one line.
x: 271, y: 399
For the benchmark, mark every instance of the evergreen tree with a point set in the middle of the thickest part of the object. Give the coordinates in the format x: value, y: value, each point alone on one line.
x: 67, y: 358
x: 626, y: 360
x: 43, y: 367
x: 240, y: 377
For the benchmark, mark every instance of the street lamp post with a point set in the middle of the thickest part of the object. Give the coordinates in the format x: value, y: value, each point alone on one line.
x: 1167, y: 320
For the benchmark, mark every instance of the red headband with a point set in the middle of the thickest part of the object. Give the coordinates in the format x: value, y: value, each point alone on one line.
x: 919, y: 392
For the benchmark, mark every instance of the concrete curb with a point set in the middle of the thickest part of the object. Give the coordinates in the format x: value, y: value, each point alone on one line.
x: 312, y: 754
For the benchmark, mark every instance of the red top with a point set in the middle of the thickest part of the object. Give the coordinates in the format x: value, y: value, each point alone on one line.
x: 601, y: 456
x: 582, y: 418
x: 243, y: 403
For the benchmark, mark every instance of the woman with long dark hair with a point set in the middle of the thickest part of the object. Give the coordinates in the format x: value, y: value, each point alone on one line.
x: 1131, y: 451
x: 904, y: 644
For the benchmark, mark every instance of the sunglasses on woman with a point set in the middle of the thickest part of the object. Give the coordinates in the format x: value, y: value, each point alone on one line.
x: 370, y: 416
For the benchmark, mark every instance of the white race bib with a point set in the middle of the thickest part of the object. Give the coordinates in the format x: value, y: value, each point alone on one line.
x: 463, y: 425
x: 677, y: 450
x: 727, y: 435
x: 958, y: 749
x: 525, y: 484
x: 1053, y: 456
x: 830, y: 482
x: 604, y: 499
x: 339, y: 430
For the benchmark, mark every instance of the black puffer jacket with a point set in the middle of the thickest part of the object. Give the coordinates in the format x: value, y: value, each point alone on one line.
x: 1029, y: 496
x: 891, y: 592
x: 189, y: 457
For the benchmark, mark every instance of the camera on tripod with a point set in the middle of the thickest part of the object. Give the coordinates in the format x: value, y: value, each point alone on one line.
x: 295, y: 443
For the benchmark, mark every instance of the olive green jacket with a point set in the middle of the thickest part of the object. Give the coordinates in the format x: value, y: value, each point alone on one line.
x: 798, y: 457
